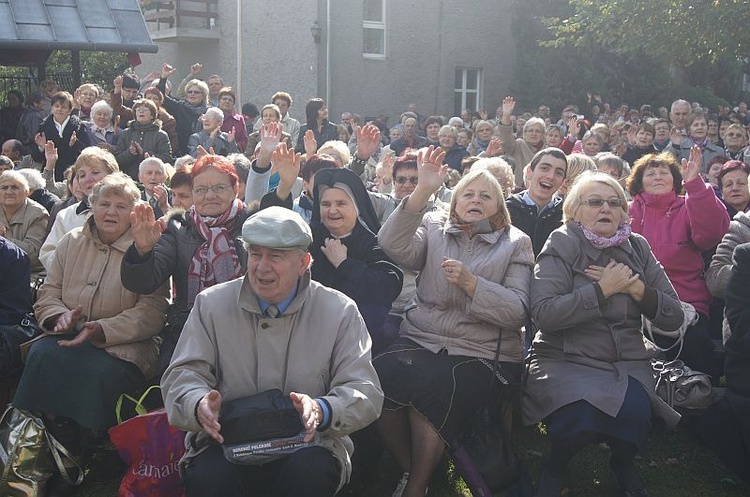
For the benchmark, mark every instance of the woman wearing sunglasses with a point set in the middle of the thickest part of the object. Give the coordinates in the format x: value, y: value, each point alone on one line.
x: 590, y: 376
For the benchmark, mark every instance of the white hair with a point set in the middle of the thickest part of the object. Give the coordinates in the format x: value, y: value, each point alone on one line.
x: 152, y: 160
x: 102, y: 105
x: 680, y: 102
x: 34, y: 178
x: 11, y: 175
x: 215, y: 113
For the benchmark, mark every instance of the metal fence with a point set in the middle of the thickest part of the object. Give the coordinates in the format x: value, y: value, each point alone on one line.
x: 26, y: 84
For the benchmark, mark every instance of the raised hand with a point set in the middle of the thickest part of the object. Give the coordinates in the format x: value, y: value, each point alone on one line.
x: 311, y: 146
x: 494, y: 148
x: 368, y: 140
x: 144, y: 227
x: 509, y: 105
x: 73, y: 139
x: 431, y: 170
x: 135, y: 148
x: 50, y: 152
x: 335, y: 251
x: 632, y: 132
x: 387, y: 166
x: 286, y: 162
x: 40, y: 139
x: 200, y: 151
x: 208, y: 414
x: 691, y: 167
x: 270, y: 136
x: 574, y: 126
x: 67, y: 320
x: 90, y: 330
x: 483, y: 114
x: 195, y: 69
x: 166, y: 70
x: 118, y: 84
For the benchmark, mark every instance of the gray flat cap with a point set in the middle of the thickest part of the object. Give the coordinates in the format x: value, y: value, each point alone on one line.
x: 277, y: 228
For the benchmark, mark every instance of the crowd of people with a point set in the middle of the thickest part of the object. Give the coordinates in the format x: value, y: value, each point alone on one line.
x: 378, y: 276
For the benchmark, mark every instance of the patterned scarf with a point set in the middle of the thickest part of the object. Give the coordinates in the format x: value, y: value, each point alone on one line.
x: 702, y: 144
x: 216, y: 261
x: 602, y: 242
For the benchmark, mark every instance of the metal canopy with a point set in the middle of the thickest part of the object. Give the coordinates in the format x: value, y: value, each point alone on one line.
x: 44, y: 25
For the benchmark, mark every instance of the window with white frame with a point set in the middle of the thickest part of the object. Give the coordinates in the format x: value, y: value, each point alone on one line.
x: 373, y: 28
x: 467, y: 93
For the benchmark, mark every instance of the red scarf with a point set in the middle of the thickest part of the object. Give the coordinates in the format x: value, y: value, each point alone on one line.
x: 216, y: 261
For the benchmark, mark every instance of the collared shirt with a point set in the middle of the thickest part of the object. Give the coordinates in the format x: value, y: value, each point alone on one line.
x: 282, y: 306
x: 529, y: 201
x: 61, y: 127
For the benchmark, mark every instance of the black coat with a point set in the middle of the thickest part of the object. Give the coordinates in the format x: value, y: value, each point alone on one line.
x: 367, y: 275
x: 15, y: 271
x: 525, y: 218
x: 66, y: 155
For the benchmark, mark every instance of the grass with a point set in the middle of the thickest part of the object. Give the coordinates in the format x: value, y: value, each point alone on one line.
x: 673, y: 464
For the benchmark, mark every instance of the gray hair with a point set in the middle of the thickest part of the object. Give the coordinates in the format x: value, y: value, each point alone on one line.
x: 102, y: 105
x: 11, y: 175
x: 501, y: 171
x: 34, y: 178
x: 449, y: 129
x: 535, y: 120
x: 573, y: 198
x: 215, y: 113
x: 152, y: 160
x: 680, y: 102
x: 337, y: 148
x: 118, y: 183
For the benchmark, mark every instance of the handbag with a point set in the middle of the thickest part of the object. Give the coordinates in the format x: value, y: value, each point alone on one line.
x: 12, y: 337
x: 679, y: 386
x: 483, y: 454
x: 151, y: 448
x: 691, y: 317
x: 261, y: 428
x: 29, y: 455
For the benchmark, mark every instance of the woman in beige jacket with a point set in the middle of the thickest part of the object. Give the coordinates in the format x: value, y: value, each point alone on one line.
x: 472, y: 292
x: 101, y: 337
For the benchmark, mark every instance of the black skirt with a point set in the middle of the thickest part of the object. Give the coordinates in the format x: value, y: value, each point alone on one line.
x: 81, y: 383
x: 447, y: 390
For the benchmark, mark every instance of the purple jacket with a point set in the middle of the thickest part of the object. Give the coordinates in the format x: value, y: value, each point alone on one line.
x: 678, y: 230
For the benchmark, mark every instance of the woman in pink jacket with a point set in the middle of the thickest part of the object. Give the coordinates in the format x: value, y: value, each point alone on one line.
x: 679, y: 228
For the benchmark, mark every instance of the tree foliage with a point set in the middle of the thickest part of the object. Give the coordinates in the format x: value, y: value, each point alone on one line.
x: 683, y: 31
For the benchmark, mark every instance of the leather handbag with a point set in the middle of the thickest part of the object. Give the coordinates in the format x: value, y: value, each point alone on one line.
x: 261, y: 428
x: 12, y: 337
x: 681, y: 387
x: 29, y: 455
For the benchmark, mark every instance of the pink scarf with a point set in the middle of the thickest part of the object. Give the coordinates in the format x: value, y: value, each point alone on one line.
x: 602, y: 242
x: 216, y: 261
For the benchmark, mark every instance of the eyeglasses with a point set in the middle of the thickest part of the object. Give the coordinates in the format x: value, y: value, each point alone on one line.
x: 201, y: 191
x: 598, y: 202
x: 400, y: 180
x: 194, y: 92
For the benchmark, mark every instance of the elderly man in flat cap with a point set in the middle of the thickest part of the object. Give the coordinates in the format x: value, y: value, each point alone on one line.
x: 273, y: 328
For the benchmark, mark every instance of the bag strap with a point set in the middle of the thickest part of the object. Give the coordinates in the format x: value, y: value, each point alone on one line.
x: 140, y: 409
x: 56, y: 448
x: 648, y: 331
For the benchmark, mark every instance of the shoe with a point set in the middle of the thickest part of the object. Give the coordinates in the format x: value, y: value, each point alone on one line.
x: 401, y: 485
x: 548, y: 485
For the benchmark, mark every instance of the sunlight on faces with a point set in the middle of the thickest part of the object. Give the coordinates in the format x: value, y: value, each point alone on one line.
x: 644, y: 138
x: 484, y: 133
x: 274, y: 273
x: 658, y: 180
x: 338, y: 212
x: 12, y: 193
x: 101, y: 118
x: 432, y: 131
x: 182, y: 197
x: 60, y: 111
x: 546, y: 178
x: 605, y: 219
x: 89, y: 174
x: 554, y: 138
x: 209, y: 202
x: 268, y: 116
x: 662, y: 132
x: 143, y: 114
x: 404, y: 182
x: 477, y: 201
x: 534, y: 135
x: 734, y: 189
x: 150, y: 176
x: 112, y: 216
x: 699, y: 128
